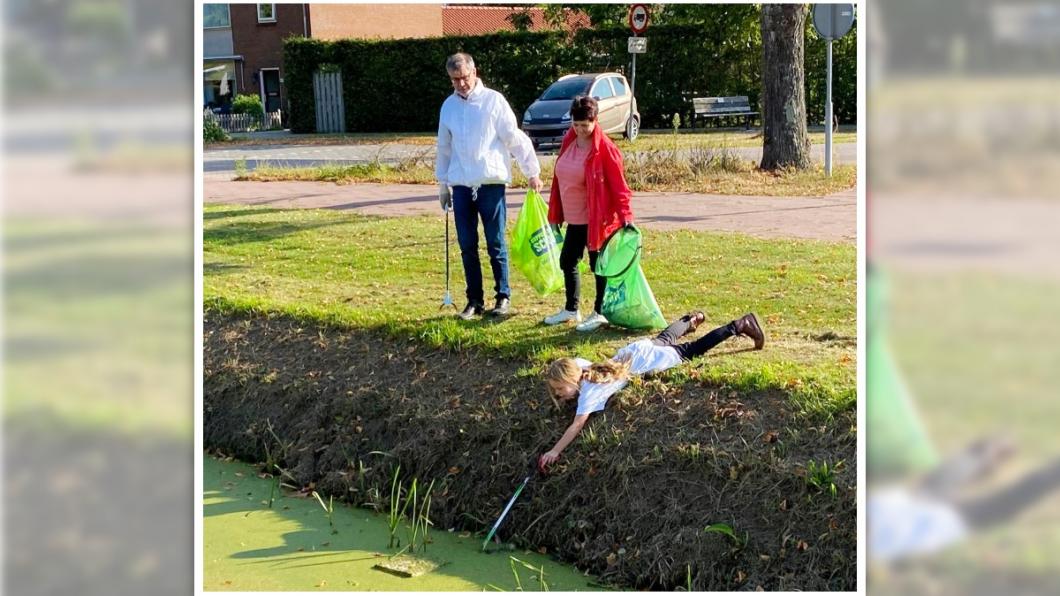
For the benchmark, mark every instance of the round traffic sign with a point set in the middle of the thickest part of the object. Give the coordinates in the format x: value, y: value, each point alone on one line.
x: 639, y: 15
x: 833, y: 21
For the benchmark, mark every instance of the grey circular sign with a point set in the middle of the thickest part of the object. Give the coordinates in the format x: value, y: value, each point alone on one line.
x: 833, y: 21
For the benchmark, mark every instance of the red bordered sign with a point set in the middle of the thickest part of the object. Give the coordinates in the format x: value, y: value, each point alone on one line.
x: 639, y: 15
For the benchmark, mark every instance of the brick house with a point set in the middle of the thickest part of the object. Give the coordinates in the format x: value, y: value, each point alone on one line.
x: 243, y: 43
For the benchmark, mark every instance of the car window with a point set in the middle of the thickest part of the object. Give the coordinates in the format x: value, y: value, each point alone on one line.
x: 566, y: 89
x: 602, y: 89
x: 620, y: 87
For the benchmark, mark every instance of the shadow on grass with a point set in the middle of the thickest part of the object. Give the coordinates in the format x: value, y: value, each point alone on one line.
x: 229, y: 213
x: 93, y: 276
x: 244, y: 233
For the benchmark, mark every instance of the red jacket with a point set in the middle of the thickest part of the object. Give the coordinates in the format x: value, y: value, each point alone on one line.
x: 607, y: 191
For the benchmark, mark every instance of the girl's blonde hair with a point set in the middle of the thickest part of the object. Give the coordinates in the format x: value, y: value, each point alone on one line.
x: 566, y: 370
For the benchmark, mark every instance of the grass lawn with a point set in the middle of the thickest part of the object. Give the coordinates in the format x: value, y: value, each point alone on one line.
x: 389, y: 273
x: 978, y: 352
x: 98, y: 316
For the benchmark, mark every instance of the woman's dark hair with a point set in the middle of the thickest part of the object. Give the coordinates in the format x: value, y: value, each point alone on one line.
x: 584, y: 107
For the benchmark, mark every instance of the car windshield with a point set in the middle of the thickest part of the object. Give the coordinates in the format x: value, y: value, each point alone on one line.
x: 566, y: 89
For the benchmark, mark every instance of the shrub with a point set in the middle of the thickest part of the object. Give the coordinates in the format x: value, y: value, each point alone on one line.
x: 248, y: 104
x: 212, y: 131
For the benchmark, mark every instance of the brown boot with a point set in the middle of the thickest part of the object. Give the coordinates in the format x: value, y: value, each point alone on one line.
x: 747, y: 326
x: 695, y: 319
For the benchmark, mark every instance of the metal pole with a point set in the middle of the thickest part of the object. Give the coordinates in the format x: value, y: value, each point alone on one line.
x: 633, y: 81
x: 828, y: 116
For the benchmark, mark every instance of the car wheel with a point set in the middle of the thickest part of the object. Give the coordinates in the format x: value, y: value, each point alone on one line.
x: 632, y: 128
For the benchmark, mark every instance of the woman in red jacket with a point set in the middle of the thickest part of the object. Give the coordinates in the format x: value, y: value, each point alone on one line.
x: 590, y: 194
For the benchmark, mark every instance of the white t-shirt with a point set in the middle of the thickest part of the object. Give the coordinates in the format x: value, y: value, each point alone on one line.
x: 903, y: 524
x: 644, y: 357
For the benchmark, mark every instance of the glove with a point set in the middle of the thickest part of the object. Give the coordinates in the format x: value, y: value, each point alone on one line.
x: 445, y: 198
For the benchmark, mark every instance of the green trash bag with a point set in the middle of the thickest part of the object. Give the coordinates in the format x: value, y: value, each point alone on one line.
x: 628, y: 300
x: 897, y: 443
x: 534, y: 247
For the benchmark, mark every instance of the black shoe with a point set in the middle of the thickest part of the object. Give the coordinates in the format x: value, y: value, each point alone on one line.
x: 470, y: 311
x: 503, y: 307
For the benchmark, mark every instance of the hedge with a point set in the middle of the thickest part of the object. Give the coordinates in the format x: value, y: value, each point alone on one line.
x: 399, y: 85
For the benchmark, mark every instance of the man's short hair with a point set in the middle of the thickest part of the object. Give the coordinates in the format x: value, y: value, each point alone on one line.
x: 457, y: 60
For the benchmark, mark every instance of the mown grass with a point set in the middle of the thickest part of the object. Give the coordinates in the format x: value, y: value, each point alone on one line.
x: 676, y: 169
x: 978, y: 353
x: 389, y: 273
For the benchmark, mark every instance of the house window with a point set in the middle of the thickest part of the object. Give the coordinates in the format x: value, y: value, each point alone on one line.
x: 266, y: 13
x: 215, y: 16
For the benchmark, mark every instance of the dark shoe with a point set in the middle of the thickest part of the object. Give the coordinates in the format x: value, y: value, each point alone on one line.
x: 747, y: 326
x: 503, y: 307
x: 695, y: 319
x: 470, y: 311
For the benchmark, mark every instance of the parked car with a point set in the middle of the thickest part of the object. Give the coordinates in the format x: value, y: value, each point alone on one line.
x: 548, y: 118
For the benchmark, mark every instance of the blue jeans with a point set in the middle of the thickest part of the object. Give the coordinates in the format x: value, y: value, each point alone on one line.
x: 491, y: 208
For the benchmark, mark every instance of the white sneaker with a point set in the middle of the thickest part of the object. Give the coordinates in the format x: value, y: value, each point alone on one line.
x: 563, y: 316
x: 594, y: 322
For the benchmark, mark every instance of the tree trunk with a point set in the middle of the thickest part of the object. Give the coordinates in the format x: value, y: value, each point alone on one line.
x: 784, y: 139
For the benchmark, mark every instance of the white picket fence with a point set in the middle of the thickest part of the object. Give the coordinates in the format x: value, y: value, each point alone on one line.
x: 247, y: 122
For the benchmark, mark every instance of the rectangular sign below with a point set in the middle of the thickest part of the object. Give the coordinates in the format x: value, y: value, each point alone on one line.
x: 638, y: 45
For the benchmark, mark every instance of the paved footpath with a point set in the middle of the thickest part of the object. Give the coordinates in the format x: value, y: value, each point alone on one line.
x: 832, y: 218
x: 223, y: 159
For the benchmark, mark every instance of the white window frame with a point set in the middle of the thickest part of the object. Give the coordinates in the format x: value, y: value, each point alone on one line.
x: 229, y: 25
x: 257, y: 7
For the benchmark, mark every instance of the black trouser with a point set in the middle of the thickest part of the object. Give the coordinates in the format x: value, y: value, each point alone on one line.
x: 574, y: 243
x: 1003, y: 505
x: 692, y: 349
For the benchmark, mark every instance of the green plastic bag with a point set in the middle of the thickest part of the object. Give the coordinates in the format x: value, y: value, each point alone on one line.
x: 897, y: 442
x: 628, y: 300
x: 535, y: 248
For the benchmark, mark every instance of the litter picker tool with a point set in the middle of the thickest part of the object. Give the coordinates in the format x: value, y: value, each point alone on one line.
x: 448, y: 300
x: 507, y: 508
x: 534, y: 470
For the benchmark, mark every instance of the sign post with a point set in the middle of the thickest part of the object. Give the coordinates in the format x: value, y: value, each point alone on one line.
x: 832, y: 21
x: 639, y: 15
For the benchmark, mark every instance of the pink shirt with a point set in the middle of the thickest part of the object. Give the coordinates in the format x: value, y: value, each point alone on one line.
x: 573, y: 194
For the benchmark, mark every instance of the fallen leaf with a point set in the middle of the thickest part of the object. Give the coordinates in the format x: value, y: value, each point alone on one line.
x: 784, y: 505
x: 802, y: 546
x: 611, y: 560
x: 740, y: 576
x: 543, y: 550
x: 771, y: 437
x: 454, y: 470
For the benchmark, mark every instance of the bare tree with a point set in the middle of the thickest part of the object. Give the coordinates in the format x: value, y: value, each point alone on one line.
x: 784, y: 139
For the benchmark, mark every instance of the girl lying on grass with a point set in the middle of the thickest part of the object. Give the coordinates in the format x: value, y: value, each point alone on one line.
x: 593, y: 384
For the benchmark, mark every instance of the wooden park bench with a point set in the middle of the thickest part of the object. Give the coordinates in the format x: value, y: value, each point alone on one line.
x: 718, y: 107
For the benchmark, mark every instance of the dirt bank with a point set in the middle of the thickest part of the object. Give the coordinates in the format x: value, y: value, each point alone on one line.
x: 629, y: 500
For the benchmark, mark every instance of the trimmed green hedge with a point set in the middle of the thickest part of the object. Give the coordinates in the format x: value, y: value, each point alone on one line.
x: 399, y: 85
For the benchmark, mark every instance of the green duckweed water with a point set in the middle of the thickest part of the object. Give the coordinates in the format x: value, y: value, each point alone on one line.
x: 248, y: 546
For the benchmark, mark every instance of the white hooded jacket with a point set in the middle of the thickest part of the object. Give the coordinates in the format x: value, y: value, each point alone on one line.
x: 475, y: 137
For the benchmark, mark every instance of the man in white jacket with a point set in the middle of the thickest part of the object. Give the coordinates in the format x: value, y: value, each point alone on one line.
x: 477, y: 131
